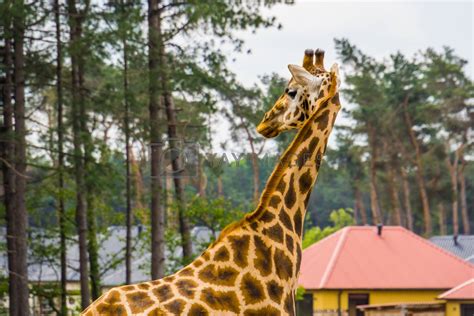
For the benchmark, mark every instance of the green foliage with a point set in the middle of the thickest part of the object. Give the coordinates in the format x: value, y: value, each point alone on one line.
x: 340, y: 218
x: 300, y: 292
x: 215, y: 214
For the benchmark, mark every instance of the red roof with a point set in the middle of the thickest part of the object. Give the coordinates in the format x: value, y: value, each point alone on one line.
x: 357, y: 257
x: 464, y: 291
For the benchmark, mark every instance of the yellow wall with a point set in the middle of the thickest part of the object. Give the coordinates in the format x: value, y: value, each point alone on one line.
x: 453, y: 308
x: 328, y: 299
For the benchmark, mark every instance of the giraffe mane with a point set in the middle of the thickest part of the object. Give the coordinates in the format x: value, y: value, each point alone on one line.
x: 277, y: 173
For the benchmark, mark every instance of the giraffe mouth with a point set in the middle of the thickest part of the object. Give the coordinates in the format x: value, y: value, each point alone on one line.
x: 267, y: 131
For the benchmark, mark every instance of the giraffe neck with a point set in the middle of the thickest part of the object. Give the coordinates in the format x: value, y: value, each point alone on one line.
x: 303, y: 156
x: 290, y: 184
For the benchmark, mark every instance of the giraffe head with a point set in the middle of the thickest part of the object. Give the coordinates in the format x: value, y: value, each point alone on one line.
x: 298, y: 102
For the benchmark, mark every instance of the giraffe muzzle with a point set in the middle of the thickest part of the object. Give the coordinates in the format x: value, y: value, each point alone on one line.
x: 267, y: 131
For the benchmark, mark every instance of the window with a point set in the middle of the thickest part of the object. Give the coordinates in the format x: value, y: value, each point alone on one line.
x: 304, y: 307
x: 467, y: 309
x: 356, y: 300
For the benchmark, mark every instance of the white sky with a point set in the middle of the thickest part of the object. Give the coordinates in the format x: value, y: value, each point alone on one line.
x: 377, y: 28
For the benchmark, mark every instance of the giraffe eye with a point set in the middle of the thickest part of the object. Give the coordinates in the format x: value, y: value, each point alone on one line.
x: 291, y: 93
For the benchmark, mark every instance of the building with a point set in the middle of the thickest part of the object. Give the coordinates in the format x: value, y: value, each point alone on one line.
x: 460, y: 299
x: 379, y: 271
x: 461, y: 246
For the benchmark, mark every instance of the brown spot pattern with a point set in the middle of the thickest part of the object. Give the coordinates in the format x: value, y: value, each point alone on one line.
x: 220, y: 300
x: 252, y: 289
x: 240, y: 248
x: 222, y: 254
x: 289, y: 243
x: 163, y: 293
x: 143, y: 286
x: 218, y: 275
x: 275, y: 232
x: 176, y: 307
x: 283, y: 265
x: 285, y: 219
x: 113, y: 297
x: 198, y: 310
x: 262, y: 262
x: 264, y: 311
x: 290, y: 197
x: 139, y: 301
x: 281, y: 186
x: 298, y: 220
x: 188, y: 271
x: 298, y: 258
x: 335, y: 99
x: 305, y: 182
x: 267, y: 217
x: 156, y: 312
x: 323, y: 120
x: 312, y: 144
x: 289, y: 304
x: 114, y: 309
x: 274, y: 201
x: 275, y: 291
x: 186, y: 287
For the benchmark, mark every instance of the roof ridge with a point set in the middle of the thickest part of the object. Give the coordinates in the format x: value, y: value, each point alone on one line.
x: 458, y: 287
x: 335, y: 254
x: 436, y: 247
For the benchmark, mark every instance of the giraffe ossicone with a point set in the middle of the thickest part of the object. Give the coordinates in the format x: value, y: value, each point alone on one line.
x: 253, y: 267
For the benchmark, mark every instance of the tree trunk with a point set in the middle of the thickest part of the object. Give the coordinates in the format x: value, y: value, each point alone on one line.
x: 75, y: 23
x: 453, y: 176
x: 92, y: 245
x: 202, y: 179
x: 220, y: 187
x: 255, y: 167
x: 394, y: 199
x: 464, y: 211
x: 177, y: 165
x: 176, y: 161
x: 128, y: 250
x: 374, y: 200
x: 8, y: 156
x: 428, y: 228
x: 359, y: 205
x: 406, y: 198
x: 138, y: 179
x: 61, y: 187
x: 157, y: 211
x: 21, y: 215
x: 442, y: 219
x: 128, y: 175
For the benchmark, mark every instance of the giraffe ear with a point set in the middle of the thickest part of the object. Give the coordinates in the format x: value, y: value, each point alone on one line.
x: 335, y: 72
x: 301, y: 75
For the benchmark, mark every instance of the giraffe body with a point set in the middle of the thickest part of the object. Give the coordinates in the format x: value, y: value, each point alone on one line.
x: 252, y: 268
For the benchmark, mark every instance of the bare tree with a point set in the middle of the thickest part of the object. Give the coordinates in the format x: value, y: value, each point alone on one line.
x: 157, y: 211
x: 21, y: 215
x: 75, y: 19
x: 428, y: 228
x: 60, y: 132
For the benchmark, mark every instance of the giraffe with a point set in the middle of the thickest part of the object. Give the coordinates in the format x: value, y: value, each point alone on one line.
x: 253, y: 266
